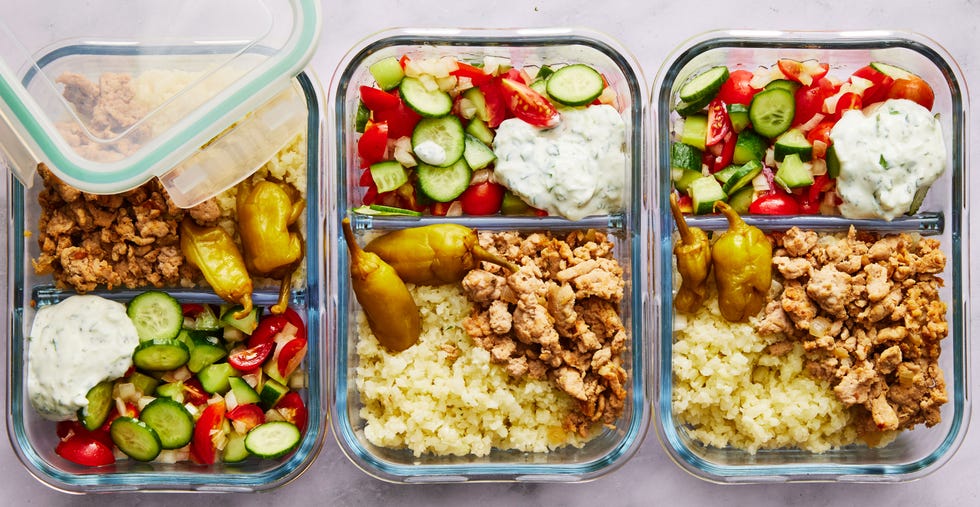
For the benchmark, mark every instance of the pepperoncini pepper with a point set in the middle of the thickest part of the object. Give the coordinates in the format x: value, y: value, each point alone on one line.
x: 214, y: 252
x: 693, y: 253
x: 434, y: 254
x: 742, y: 258
x: 391, y: 312
x: 267, y: 214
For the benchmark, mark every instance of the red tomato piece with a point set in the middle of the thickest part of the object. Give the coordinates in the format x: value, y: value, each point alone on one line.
x: 475, y: 74
x: 809, y: 200
x: 880, y: 83
x: 292, y: 408
x: 376, y: 99
x: 202, y: 444
x: 249, y: 414
x: 810, y: 99
x: 401, y: 119
x: 403, y: 60
x: 291, y: 354
x: 737, y: 90
x: 726, y: 151
x: 294, y: 318
x: 85, y: 450
x: 267, y: 329
x: 366, y: 180
x: 373, y: 143
x: 482, y: 198
x: 846, y: 102
x: 685, y: 203
x: 805, y: 72
x: 820, y: 133
x: 775, y: 203
x: 440, y: 209
x: 719, y: 124
x: 370, y: 195
x: 194, y: 392
x: 67, y: 429
x: 493, y: 95
x: 912, y: 88
x: 248, y: 359
x: 529, y: 105
x: 131, y: 410
x: 191, y: 310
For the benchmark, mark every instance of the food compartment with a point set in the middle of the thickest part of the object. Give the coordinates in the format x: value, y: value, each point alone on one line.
x: 740, y: 399
x: 450, y: 407
x: 199, y: 366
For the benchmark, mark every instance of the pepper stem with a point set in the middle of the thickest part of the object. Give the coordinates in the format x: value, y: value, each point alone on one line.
x: 686, y: 237
x: 730, y: 213
x: 349, y: 238
x: 481, y: 254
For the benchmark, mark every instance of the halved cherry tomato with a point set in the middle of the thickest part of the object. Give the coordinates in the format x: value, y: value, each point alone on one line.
x: 529, y: 105
x: 248, y: 359
x: 249, y: 415
x: 737, y: 90
x: 810, y: 100
x: 880, y: 83
x: 846, y: 102
x: 370, y: 195
x: 719, y: 125
x: 401, y: 119
x: 267, y: 329
x: 292, y: 408
x: 376, y: 100
x: 805, y: 72
x: 685, y: 203
x: 290, y: 355
x: 475, y: 74
x: 482, y: 198
x: 912, y: 88
x: 366, y: 180
x: 202, y: 444
x: 294, y: 318
x: 191, y: 309
x: 373, y: 143
x: 775, y: 203
x: 809, y: 200
x: 194, y: 392
x: 722, y: 154
x: 131, y: 410
x: 67, y: 429
x: 493, y: 95
x: 85, y: 450
x: 821, y: 132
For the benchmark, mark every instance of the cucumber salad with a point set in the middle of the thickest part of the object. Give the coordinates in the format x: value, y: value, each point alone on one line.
x: 793, y: 139
x: 445, y: 137
x: 202, y: 385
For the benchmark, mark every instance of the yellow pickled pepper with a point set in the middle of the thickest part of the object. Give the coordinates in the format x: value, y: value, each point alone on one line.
x: 742, y: 258
x: 213, y: 251
x: 390, y: 309
x: 434, y: 254
x: 693, y: 253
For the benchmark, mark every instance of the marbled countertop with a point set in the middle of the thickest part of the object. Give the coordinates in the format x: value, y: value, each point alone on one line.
x: 650, y: 29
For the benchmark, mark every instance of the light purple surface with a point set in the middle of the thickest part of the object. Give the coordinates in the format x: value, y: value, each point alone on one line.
x: 650, y: 29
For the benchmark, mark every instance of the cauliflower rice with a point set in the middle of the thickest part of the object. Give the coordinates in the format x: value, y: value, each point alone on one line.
x: 729, y: 391
x: 443, y: 396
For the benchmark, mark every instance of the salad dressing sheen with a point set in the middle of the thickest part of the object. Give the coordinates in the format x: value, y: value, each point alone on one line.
x: 74, y: 345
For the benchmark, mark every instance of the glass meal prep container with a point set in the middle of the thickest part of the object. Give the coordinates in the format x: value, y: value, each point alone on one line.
x: 236, y: 99
x: 397, y: 462
x: 943, y: 215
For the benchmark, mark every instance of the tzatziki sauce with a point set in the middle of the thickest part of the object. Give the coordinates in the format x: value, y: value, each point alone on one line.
x: 887, y: 154
x: 74, y: 345
x: 574, y: 170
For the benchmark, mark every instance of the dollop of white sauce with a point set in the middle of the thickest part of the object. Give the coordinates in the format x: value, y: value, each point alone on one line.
x: 430, y: 153
x: 886, y: 153
x: 74, y: 345
x: 574, y: 170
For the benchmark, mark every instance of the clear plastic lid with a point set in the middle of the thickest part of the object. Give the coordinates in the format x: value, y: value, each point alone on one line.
x: 196, y: 93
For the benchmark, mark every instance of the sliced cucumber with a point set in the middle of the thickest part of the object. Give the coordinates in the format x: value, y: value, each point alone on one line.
x: 272, y: 440
x: 100, y: 402
x: 144, y: 383
x: 206, y: 351
x: 793, y: 173
x: 749, y: 146
x: 246, y: 324
x: 173, y: 424
x: 479, y: 101
x: 705, y: 192
x: 243, y: 392
x: 742, y: 176
x: 513, y: 205
x: 272, y: 391
x: 215, y: 377
x: 704, y: 85
x: 695, y: 130
x: 686, y: 157
x: 742, y: 199
x: 891, y: 71
x: 771, y: 111
x: 477, y: 154
x: 726, y: 174
x: 361, y: 118
x: 438, y: 141
x: 685, y: 178
x: 684, y: 108
x: 235, y: 450
x: 388, y: 175
x: 161, y: 355
x: 793, y: 141
x: 479, y: 129
x: 156, y: 315
x: 443, y: 184
x: 387, y: 72
x: 135, y: 438
x: 381, y: 209
x: 833, y: 163
x: 575, y: 85
x: 738, y: 114
x: 785, y: 84
x: 206, y: 321
x: 429, y: 103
